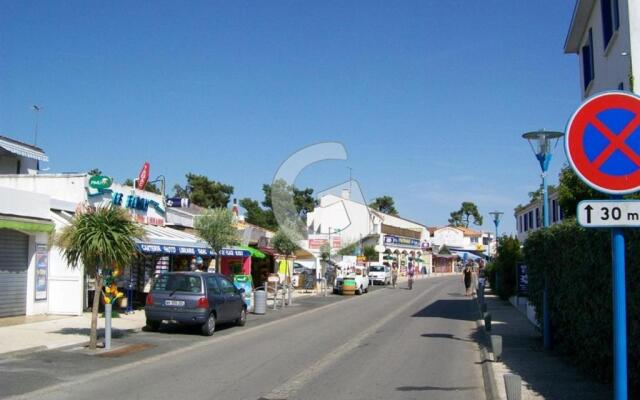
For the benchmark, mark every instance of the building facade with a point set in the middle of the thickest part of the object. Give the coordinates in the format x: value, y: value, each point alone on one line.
x: 529, y: 217
x: 605, y: 34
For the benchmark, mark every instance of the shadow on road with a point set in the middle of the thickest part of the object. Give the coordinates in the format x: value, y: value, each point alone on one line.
x: 462, y: 310
x: 445, y: 336
x: 434, y: 388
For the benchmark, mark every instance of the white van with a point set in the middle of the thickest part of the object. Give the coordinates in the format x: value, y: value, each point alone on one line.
x: 380, y: 274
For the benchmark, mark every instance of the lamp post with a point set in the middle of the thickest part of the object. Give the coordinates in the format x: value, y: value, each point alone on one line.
x: 497, y: 216
x: 543, y: 143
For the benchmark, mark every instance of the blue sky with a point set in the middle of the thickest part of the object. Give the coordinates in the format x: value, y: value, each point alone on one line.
x: 429, y: 97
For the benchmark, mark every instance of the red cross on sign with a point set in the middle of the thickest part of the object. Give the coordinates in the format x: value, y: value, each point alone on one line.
x: 603, y: 142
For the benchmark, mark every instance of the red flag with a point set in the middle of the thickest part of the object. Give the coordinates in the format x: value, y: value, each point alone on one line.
x: 143, y: 176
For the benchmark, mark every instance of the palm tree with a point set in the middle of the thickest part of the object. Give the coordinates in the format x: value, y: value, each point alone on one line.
x: 100, y: 239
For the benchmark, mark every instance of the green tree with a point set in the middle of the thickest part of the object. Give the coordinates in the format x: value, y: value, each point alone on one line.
x: 95, y: 171
x: 205, y: 192
x: 325, y: 252
x: 572, y: 190
x: 503, y: 267
x: 149, y: 187
x: 100, y: 239
x: 285, y: 242
x: 257, y: 215
x: 370, y: 253
x: 283, y: 195
x: 218, y: 228
x: 348, y: 249
x: 536, y: 195
x: 463, y: 216
x: 384, y: 204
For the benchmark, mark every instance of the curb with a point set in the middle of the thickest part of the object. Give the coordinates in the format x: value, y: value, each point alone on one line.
x: 487, y: 359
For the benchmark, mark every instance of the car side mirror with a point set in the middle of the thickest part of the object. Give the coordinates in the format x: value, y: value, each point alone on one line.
x: 241, y: 291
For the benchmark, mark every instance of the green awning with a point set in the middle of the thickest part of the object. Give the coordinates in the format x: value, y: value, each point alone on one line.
x: 29, y: 226
x: 255, y: 253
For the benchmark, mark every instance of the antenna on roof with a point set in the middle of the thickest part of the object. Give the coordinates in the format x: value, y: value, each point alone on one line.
x: 36, y: 109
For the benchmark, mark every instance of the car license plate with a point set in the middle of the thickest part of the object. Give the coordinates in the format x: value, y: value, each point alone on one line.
x: 175, y: 303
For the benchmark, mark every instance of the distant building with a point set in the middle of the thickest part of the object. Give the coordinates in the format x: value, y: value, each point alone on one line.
x: 18, y: 157
x: 605, y: 34
x: 530, y: 217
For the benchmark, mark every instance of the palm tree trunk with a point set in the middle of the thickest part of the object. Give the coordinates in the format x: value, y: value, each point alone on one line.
x: 93, y: 341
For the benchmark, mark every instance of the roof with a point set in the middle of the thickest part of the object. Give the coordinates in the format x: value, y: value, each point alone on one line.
x: 579, y: 21
x: 23, y: 149
x: 465, y: 231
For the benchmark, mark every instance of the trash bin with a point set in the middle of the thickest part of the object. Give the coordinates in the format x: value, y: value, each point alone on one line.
x: 260, y: 297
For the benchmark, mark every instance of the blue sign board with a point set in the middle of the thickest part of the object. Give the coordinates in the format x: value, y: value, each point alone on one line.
x: 181, y: 250
x: 234, y: 253
x: 523, y: 279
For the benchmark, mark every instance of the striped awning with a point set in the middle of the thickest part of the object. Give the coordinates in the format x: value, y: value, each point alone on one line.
x: 22, y: 149
x: 163, y: 240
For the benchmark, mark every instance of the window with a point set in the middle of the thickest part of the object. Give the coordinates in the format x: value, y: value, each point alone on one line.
x: 212, y: 285
x: 526, y: 222
x: 554, y: 213
x: 537, y: 218
x: 178, y: 283
x: 531, y: 219
x: 226, y: 286
x: 610, y: 19
x: 587, y: 61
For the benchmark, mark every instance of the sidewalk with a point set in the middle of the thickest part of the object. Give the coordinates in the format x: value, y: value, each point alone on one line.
x: 62, y: 331
x: 545, y: 375
x: 45, y: 332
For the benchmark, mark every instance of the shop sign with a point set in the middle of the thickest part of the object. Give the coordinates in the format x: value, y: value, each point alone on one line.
x: 400, y: 241
x: 100, y: 182
x: 183, y: 250
x: 178, y: 202
x: 315, y: 244
x: 42, y: 268
x: 234, y: 253
x: 523, y: 279
x: 143, y: 176
x: 244, y: 282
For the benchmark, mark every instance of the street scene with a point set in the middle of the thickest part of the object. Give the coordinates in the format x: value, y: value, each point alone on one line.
x: 319, y: 200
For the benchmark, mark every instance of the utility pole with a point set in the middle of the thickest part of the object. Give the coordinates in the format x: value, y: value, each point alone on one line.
x: 36, y: 109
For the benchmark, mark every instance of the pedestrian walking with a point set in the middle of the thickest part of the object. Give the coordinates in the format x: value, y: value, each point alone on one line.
x: 394, y: 274
x: 467, y: 275
x: 411, y: 271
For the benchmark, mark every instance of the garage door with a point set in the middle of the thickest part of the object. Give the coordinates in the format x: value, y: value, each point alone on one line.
x: 14, y: 251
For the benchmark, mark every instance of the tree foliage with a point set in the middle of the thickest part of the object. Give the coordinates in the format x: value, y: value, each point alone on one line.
x: 95, y: 171
x: 285, y: 241
x: 349, y: 249
x: 217, y: 227
x: 149, y: 187
x: 204, y: 191
x: 99, y: 238
x: 576, y: 263
x: 503, y: 267
x: 384, y: 204
x: 462, y: 217
x: 370, y: 253
x: 294, y: 205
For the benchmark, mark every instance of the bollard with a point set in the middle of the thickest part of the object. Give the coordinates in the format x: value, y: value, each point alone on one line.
x: 496, y: 346
x: 487, y: 321
x: 513, y: 386
x: 483, y: 308
x: 107, y: 326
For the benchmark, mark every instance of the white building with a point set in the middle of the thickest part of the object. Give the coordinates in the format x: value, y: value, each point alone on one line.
x: 458, y: 238
x: 529, y: 217
x: 340, y: 221
x: 605, y: 34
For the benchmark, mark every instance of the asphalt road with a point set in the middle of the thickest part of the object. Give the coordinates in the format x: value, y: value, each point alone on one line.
x: 388, y: 344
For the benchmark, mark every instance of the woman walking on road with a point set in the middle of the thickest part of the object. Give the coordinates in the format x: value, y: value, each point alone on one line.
x: 394, y: 274
x: 410, y: 273
x: 467, y: 276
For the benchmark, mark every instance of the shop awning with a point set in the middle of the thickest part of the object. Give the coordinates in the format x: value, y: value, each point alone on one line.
x: 466, y: 255
x: 26, y: 224
x: 22, y: 149
x: 163, y: 240
x: 255, y: 253
x: 234, y: 252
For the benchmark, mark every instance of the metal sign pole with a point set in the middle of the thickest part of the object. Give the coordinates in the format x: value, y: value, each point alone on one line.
x: 619, y: 315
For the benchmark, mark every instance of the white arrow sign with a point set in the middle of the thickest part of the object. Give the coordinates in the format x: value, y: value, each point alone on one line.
x: 609, y: 213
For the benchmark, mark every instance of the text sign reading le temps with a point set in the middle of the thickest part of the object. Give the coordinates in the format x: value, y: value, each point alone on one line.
x: 609, y: 213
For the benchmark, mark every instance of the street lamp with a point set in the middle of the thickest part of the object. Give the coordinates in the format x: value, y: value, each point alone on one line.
x: 497, y: 215
x: 543, y: 143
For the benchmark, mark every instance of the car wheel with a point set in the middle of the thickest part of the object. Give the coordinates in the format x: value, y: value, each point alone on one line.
x: 242, y: 320
x: 359, y: 292
x: 153, y: 326
x: 209, y: 326
x: 367, y: 290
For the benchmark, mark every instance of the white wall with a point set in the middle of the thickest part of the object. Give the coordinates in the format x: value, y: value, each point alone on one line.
x: 22, y: 203
x: 58, y: 186
x: 610, y: 67
x: 449, y: 236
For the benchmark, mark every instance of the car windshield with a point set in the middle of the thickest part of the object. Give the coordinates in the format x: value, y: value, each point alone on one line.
x: 376, y: 268
x: 178, y: 283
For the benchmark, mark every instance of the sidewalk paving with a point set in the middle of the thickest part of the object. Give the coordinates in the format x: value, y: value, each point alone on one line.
x: 545, y: 375
x: 20, y: 335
